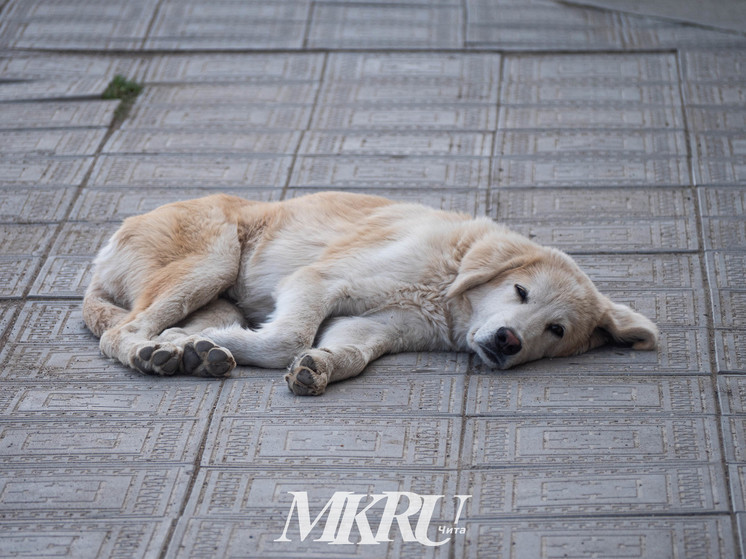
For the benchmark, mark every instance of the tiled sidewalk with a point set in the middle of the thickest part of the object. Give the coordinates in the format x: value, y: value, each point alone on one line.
x: 617, y: 138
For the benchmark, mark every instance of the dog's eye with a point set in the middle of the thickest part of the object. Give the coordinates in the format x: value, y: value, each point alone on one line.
x: 522, y: 293
x: 556, y: 329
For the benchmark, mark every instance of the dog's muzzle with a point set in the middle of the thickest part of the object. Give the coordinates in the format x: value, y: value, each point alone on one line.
x: 503, y: 345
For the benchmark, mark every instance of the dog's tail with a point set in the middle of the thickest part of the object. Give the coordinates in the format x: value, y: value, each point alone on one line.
x: 100, y: 313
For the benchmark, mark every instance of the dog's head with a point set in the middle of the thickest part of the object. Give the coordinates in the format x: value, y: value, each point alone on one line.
x: 528, y: 302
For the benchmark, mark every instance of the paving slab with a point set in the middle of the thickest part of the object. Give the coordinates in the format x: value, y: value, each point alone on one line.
x: 114, y: 204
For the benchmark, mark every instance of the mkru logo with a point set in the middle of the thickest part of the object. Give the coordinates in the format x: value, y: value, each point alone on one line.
x: 343, y: 512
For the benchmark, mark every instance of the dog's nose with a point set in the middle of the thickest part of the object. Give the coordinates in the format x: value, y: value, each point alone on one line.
x: 507, y: 341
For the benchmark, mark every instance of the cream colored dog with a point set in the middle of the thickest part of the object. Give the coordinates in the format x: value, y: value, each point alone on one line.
x: 328, y: 282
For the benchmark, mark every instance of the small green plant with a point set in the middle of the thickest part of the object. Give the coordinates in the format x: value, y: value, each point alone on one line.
x: 126, y: 91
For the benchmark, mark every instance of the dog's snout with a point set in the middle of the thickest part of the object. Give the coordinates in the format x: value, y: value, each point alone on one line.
x: 507, y: 341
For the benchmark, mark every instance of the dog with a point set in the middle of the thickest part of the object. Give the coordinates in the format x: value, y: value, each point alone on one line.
x: 326, y: 283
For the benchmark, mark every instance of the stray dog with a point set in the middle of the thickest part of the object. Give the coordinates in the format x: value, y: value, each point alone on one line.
x: 326, y: 283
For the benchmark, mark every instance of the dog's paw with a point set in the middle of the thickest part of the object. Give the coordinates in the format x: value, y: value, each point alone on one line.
x: 203, y: 358
x: 156, y: 358
x: 304, y: 377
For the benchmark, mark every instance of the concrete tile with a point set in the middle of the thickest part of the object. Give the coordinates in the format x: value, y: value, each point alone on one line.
x: 25, y: 239
x: 16, y: 273
x: 583, y: 203
x: 71, y: 360
x: 724, y: 233
x: 514, y: 394
x: 292, y: 92
x: 224, y: 118
x: 406, y: 117
x: 544, y: 27
x: 730, y: 350
x: 98, y: 205
x: 199, y: 36
x: 586, y: 92
x: 212, y: 68
x: 204, y: 25
x: 480, y: 71
x: 51, y: 322
x: 205, y: 538
x: 230, y: 493
x: 52, y: 89
x: 493, y: 442
x: 44, y: 24
x: 82, y: 240
x: 190, y: 171
x: 581, y: 171
x: 707, y: 65
x: 734, y: 438
x: 652, y: 33
x: 86, y: 539
x: 63, y: 276
x: 40, y: 204
x: 604, y: 117
x: 611, y: 490
x: 592, y: 69
x: 721, y: 171
x: 451, y: 199
x: 387, y: 26
x: 726, y: 270
x: 643, y: 537
x: 680, y: 351
x: 181, y: 141
x: 631, y: 271
x: 682, y: 308
x: 67, y: 35
x: 720, y: 157
x: 715, y: 119
x: 721, y: 202
x: 45, y: 171
x: 393, y: 143
x: 716, y: 93
x: 8, y: 310
x: 151, y: 396
x: 728, y: 307
x: 41, y: 143
x: 738, y: 487
x: 414, y: 89
x: 389, y: 172
x: 60, y: 442
x: 732, y: 394
x: 372, y: 393
x: 590, y: 143
x: 392, y: 442
x: 660, y: 235
x: 94, y: 493
x: 55, y: 114
x: 228, y: 12
x: 67, y: 67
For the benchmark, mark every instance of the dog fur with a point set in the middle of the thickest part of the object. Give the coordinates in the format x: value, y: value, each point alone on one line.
x: 326, y: 283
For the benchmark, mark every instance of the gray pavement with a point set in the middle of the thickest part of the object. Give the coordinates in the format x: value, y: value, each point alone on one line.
x: 618, y: 138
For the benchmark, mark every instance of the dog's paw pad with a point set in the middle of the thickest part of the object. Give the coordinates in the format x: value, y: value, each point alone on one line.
x: 304, y: 379
x: 157, y: 359
x: 203, y: 358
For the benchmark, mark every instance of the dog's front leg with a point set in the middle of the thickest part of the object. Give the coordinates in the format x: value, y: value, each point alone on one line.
x: 304, y: 300
x: 345, y: 348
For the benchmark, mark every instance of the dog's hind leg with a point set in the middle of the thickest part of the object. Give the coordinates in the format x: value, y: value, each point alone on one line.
x: 201, y: 357
x: 344, y: 349
x: 174, y: 291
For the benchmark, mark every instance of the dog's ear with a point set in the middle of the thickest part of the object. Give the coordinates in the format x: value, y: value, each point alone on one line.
x: 621, y: 325
x: 483, y: 262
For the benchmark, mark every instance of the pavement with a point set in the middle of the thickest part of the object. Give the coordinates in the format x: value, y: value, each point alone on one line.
x: 618, y: 138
